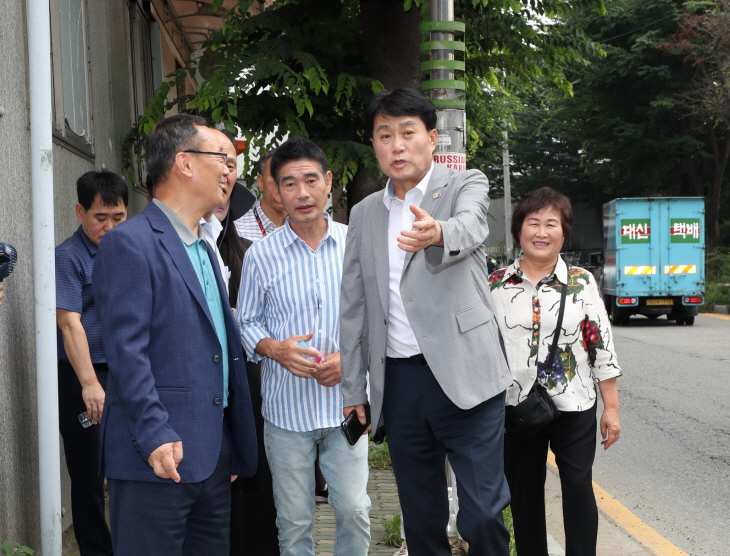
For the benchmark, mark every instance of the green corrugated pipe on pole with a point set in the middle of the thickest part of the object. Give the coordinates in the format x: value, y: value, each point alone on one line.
x: 442, y: 42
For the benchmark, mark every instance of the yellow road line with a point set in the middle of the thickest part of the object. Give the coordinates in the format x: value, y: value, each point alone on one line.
x: 624, y: 518
x: 716, y: 316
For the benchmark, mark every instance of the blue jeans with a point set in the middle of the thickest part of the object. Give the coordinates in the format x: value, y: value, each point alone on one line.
x: 291, y: 458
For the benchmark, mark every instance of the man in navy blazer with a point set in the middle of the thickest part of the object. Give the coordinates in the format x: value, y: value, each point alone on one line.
x: 178, y: 421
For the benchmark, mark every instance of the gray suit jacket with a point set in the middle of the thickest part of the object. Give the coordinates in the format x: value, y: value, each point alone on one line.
x: 445, y: 292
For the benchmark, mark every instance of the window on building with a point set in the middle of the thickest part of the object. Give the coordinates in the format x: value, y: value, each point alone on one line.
x: 71, y: 73
x: 140, y: 69
x: 140, y: 59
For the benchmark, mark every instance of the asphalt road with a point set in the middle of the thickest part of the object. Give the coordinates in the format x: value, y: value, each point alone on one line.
x: 671, y: 466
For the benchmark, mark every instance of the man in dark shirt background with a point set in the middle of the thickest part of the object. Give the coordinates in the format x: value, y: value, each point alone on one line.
x: 82, y: 370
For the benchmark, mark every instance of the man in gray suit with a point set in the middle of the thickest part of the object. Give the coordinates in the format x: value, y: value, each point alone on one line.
x: 415, y: 296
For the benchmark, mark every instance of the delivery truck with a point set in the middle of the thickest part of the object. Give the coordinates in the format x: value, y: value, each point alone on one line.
x: 654, y: 258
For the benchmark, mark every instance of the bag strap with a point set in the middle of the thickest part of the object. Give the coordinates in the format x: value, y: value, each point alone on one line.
x: 554, y: 347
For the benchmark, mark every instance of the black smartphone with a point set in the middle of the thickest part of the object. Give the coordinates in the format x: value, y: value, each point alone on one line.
x: 352, y: 428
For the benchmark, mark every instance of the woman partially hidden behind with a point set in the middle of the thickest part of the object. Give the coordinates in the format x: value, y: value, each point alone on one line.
x: 526, y: 297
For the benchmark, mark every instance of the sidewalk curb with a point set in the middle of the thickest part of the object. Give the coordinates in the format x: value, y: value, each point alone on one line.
x: 554, y: 549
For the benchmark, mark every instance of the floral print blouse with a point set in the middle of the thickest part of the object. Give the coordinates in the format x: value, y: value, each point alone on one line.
x: 527, y: 317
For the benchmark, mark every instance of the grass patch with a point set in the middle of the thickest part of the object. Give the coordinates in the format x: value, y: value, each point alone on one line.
x: 379, y: 456
x: 392, y: 531
x: 16, y: 549
x: 718, y: 274
x: 715, y: 294
x: 507, y: 516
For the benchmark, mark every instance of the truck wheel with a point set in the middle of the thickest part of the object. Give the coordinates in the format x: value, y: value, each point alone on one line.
x: 689, y: 321
x: 615, y: 319
x: 680, y: 320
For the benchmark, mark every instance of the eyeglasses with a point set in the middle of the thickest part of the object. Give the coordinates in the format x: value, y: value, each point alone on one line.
x: 224, y: 156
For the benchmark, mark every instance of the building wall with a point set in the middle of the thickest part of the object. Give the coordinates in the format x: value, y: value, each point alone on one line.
x: 495, y: 219
x: 111, y: 112
x: 18, y: 424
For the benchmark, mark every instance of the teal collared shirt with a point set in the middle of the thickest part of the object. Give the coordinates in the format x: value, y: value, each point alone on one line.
x: 196, y: 249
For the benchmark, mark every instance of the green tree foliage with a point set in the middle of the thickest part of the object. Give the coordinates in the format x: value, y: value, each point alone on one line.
x: 546, y: 152
x: 703, y: 39
x: 638, y: 123
x: 300, y: 68
x: 16, y: 549
x: 622, y: 120
x: 514, y: 42
x: 281, y: 71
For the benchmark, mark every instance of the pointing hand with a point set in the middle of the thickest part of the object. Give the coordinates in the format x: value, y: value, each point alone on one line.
x: 426, y: 232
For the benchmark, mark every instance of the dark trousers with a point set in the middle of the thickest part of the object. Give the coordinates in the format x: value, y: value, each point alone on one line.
x: 169, y: 519
x: 423, y: 426
x: 253, y: 513
x: 81, y: 447
x: 572, y: 438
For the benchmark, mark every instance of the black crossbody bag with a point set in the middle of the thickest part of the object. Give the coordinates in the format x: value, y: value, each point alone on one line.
x: 537, y: 410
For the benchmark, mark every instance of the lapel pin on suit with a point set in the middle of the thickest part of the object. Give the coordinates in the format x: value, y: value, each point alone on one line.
x: 436, y: 195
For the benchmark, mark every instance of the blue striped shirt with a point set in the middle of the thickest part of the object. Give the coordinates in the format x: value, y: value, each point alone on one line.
x: 289, y: 289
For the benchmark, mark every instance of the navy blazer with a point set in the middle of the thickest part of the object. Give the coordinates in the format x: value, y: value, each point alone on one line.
x: 165, y: 365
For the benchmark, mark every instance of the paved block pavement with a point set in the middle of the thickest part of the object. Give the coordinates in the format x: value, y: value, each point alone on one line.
x: 612, y: 540
x: 384, y: 499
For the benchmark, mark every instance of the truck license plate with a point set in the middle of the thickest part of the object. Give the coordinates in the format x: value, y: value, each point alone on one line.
x: 659, y: 301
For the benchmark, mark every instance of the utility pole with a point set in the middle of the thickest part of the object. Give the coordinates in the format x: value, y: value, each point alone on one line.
x: 447, y: 94
x: 508, y: 242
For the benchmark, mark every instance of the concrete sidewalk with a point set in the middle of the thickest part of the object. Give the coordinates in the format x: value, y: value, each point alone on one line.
x: 612, y: 540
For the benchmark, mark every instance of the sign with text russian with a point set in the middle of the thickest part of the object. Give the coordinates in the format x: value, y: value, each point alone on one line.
x: 455, y: 161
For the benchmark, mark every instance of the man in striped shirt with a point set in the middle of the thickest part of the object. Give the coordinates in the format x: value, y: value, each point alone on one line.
x: 267, y: 214
x: 288, y: 311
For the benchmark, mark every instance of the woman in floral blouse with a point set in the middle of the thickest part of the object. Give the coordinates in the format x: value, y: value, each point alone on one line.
x: 526, y: 298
